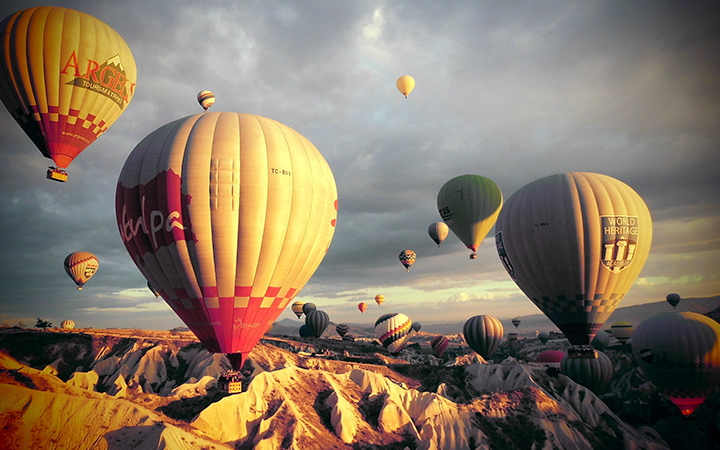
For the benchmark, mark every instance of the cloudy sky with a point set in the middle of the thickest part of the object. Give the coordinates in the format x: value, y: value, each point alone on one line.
x: 513, y: 91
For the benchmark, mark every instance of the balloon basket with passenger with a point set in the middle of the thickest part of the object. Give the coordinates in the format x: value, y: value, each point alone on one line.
x: 582, y: 352
x: 55, y: 174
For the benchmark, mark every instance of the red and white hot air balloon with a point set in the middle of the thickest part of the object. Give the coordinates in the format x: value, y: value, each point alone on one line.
x: 227, y: 215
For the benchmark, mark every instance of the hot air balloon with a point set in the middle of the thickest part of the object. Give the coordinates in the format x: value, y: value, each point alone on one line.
x: 680, y: 353
x: 342, y: 329
x: 483, y: 334
x: 574, y: 243
x: 65, y: 77
x: 379, y: 299
x: 469, y: 205
x: 81, y: 266
x: 438, y: 231
x: 551, y: 358
x: 297, y: 308
x: 416, y: 326
x: 393, y: 331
x: 601, y: 341
x: 543, y: 336
x: 407, y: 258
x: 67, y: 324
x: 439, y: 344
x: 152, y: 289
x: 622, y: 331
x: 405, y: 85
x: 308, y: 307
x: 362, y: 306
x: 228, y: 215
x: 206, y: 99
x: 673, y: 299
x: 516, y: 322
x: 512, y: 336
x: 317, y: 321
x: 593, y: 373
x: 304, y: 331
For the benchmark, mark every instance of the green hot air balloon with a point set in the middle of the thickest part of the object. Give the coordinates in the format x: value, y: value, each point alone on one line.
x: 680, y: 353
x: 574, y: 243
x: 593, y: 373
x: 483, y: 334
x: 469, y: 205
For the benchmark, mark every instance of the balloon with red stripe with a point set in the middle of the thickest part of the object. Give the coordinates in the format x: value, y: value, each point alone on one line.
x: 393, y: 331
x: 227, y: 215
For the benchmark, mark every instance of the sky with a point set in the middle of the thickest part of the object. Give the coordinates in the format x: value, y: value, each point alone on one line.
x: 513, y: 91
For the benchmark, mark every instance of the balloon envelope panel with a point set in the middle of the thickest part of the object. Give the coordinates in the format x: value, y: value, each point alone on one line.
x: 483, y: 334
x: 393, y: 331
x: 81, y: 266
x: 593, y: 373
x: 227, y: 215
x: 574, y: 243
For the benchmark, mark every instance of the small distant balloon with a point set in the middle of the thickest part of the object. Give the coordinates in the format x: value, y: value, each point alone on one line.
x: 206, y: 99
x: 516, y: 321
x: 438, y: 231
x: 483, y: 334
x: 317, y: 321
x: 439, y: 344
x: 297, y: 308
x: 407, y: 258
x: 392, y: 331
x: 81, y: 266
x: 67, y: 324
x: 593, y: 373
x: 405, y: 85
x: 543, y: 336
x: 362, y: 306
x: 342, y: 329
x: 416, y: 326
x: 601, y: 341
x: 673, y: 299
x: 379, y: 299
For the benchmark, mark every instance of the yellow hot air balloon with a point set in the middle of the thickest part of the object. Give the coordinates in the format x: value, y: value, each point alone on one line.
x: 469, y: 205
x: 405, y: 85
x: 81, y: 266
x: 574, y: 243
x: 228, y: 215
x: 65, y: 77
x: 297, y: 308
x: 379, y: 299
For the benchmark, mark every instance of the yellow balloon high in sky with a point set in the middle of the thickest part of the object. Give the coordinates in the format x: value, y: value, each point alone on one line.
x: 574, y: 243
x: 405, y: 85
x: 65, y: 77
x: 227, y: 215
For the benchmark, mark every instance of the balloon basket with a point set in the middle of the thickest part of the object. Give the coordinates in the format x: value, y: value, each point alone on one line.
x: 473, y: 255
x: 582, y: 352
x: 230, y: 382
x: 55, y: 174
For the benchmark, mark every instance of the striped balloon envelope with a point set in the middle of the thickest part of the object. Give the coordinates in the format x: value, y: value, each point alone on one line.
x: 227, y: 215
x: 483, y: 334
x: 81, y: 266
x: 593, y: 373
x: 622, y: 331
x: 439, y: 344
x: 67, y: 324
x: 574, y: 243
x: 342, y: 329
x: 65, y: 77
x: 393, y: 331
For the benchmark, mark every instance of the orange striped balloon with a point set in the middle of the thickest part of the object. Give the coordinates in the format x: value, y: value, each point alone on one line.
x: 81, y: 266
